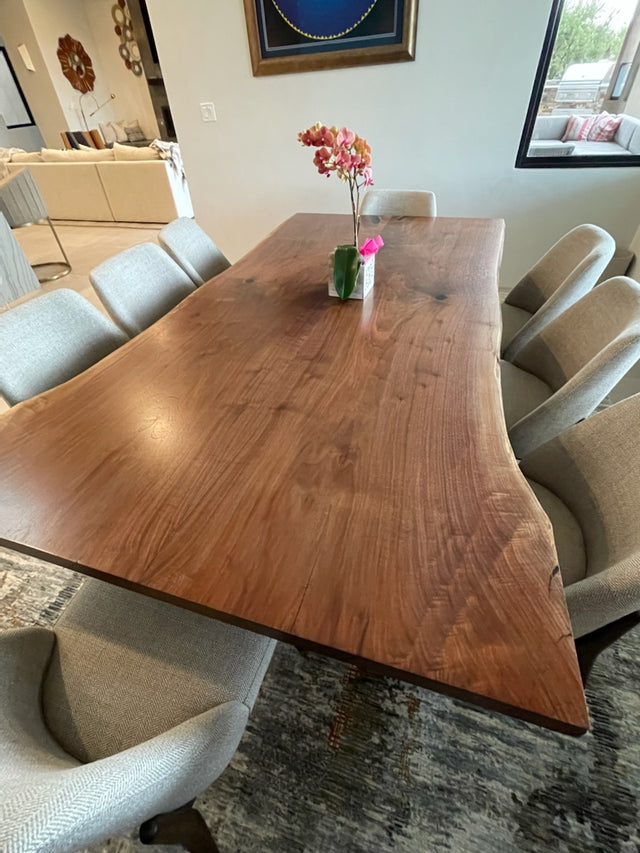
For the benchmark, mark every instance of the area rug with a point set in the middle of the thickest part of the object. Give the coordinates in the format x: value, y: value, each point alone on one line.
x: 334, y: 761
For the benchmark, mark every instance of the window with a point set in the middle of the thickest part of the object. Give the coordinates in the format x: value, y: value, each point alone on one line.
x: 585, y: 105
x: 13, y: 106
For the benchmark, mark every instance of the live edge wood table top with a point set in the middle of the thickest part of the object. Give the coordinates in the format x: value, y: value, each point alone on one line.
x: 336, y: 475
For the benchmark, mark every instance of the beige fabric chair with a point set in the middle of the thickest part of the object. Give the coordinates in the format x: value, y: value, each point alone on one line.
x: 566, y: 272
x: 139, y: 285
x: 588, y: 482
x: 193, y: 250
x: 570, y: 366
x: 124, y: 713
x: 398, y: 203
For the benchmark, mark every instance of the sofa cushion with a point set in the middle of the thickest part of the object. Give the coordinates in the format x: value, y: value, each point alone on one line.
x: 127, y: 152
x: 550, y: 127
x: 599, y: 148
x: 626, y: 130
x: 70, y: 190
x: 27, y: 157
x: 72, y: 155
x: 634, y: 143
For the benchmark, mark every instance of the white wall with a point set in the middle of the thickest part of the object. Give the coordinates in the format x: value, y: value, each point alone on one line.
x: 432, y: 123
x: 90, y: 22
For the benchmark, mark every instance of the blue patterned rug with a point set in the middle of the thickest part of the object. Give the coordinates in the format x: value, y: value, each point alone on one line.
x: 334, y: 761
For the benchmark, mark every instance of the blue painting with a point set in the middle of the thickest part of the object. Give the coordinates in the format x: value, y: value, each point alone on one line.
x: 293, y: 29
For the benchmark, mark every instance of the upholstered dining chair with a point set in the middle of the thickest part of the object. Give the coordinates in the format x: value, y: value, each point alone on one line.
x: 588, y: 482
x: 566, y: 272
x: 21, y: 203
x: 192, y: 249
x: 50, y: 339
x: 569, y: 367
x: 139, y: 285
x: 120, y: 716
x: 398, y: 203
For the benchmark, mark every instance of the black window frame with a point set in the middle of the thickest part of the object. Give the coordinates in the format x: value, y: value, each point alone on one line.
x: 573, y: 161
x: 30, y: 123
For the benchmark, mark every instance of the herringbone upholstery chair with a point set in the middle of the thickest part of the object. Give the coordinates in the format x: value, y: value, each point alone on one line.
x: 569, y: 367
x: 566, y: 272
x: 125, y: 712
x: 588, y: 482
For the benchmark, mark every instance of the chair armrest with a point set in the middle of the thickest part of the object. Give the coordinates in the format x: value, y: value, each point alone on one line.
x: 604, y: 597
x: 578, y: 397
x: 107, y: 797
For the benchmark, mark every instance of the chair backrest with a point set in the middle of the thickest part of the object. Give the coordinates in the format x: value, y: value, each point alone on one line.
x: 192, y: 249
x: 605, y: 319
x: 21, y: 202
x: 95, y: 701
x: 594, y: 468
x: 398, y: 203
x: 139, y: 285
x: 566, y: 272
x: 50, y: 339
x: 17, y: 277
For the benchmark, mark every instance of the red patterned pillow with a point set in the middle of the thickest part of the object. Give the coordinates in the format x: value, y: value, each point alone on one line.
x: 604, y: 127
x: 578, y: 128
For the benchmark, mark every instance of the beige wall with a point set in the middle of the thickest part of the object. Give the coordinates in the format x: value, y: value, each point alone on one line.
x: 433, y: 124
x: 15, y: 28
x: 90, y: 22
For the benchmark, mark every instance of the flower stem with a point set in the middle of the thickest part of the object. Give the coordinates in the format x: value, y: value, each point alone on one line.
x: 355, y: 210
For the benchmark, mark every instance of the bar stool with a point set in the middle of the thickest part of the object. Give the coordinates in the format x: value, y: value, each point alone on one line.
x: 22, y: 204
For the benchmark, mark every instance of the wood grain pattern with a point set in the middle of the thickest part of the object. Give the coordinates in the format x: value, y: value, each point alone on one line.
x: 334, y: 474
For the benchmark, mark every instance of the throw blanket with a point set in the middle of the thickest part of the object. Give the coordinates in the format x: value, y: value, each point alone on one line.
x: 170, y: 151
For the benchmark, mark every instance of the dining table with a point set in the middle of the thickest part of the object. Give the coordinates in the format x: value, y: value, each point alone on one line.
x: 336, y: 475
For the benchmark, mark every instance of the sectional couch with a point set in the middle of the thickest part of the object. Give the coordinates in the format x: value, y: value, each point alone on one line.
x: 546, y: 139
x: 121, y: 185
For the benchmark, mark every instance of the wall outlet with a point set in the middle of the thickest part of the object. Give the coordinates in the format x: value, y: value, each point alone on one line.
x: 208, y: 112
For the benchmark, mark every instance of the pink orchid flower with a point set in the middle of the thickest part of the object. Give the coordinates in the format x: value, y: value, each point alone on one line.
x: 370, y: 247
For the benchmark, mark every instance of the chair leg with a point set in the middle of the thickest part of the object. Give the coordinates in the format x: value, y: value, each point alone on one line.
x: 184, y: 826
x: 64, y: 267
x: 590, y: 646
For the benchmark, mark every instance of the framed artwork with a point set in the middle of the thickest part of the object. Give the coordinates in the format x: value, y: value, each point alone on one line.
x: 309, y: 35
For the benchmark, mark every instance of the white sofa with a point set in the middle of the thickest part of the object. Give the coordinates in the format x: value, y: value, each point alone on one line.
x: 546, y: 139
x: 112, y: 191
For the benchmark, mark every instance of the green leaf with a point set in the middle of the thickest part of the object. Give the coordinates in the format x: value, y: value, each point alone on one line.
x: 346, y: 262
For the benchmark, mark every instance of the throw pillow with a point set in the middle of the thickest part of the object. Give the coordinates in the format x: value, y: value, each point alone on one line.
x: 27, y: 157
x: 604, y: 127
x: 118, y: 131
x: 134, y: 131
x: 127, y: 152
x: 578, y: 128
x: 108, y: 133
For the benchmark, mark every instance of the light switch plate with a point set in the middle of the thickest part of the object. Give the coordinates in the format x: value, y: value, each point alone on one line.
x: 208, y: 112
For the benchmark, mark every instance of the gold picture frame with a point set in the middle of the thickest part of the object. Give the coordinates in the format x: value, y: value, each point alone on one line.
x: 279, y: 46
